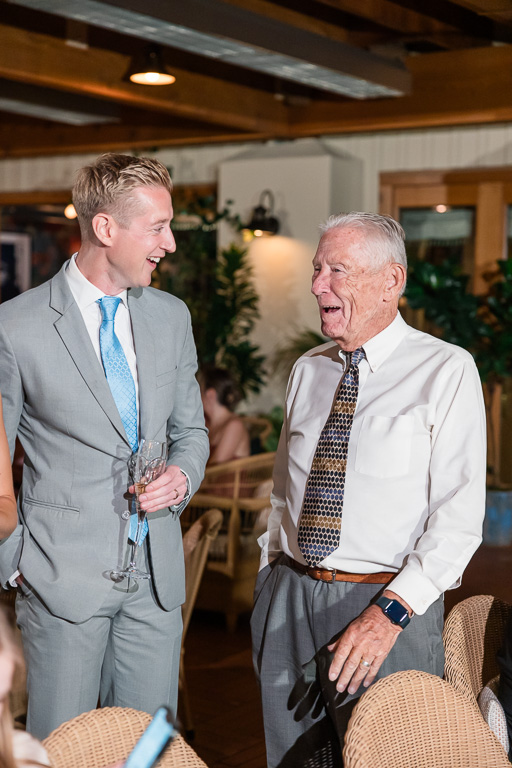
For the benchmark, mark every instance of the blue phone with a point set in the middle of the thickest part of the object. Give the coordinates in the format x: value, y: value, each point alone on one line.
x: 155, y: 739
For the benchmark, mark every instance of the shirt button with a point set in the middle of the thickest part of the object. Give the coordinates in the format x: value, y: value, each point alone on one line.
x: 125, y: 515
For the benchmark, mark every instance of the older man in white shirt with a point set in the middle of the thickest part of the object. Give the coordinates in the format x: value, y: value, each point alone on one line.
x: 378, y: 499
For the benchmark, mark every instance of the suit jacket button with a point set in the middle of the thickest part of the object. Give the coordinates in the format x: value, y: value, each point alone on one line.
x: 125, y: 515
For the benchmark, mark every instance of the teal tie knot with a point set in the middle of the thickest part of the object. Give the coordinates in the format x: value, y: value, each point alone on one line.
x: 108, y: 306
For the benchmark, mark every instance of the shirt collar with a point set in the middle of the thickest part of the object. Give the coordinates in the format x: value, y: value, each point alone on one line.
x: 84, y: 292
x: 379, y: 348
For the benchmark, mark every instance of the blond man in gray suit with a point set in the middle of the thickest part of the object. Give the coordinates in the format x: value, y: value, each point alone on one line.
x: 86, y: 636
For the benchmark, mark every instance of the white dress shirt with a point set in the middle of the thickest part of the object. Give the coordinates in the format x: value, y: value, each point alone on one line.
x: 414, y: 496
x: 86, y: 296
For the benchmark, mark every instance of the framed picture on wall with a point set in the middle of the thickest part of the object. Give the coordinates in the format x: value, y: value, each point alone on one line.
x: 15, y: 264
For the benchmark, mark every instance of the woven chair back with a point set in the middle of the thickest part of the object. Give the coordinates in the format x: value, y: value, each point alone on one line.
x: 413, y: 719
x: 196, y: 543
x: 105, y: 736
x: 473, y: 634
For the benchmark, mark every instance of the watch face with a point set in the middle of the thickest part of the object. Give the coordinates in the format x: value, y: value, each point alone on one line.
x: 396, y: 612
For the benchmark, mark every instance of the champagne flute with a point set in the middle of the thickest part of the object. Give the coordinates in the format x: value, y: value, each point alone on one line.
x: 148, y: 463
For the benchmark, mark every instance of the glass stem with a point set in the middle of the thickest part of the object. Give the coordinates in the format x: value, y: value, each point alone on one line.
x: 141, y: 516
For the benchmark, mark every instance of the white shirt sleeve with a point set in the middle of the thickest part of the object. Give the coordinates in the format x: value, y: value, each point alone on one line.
x: 456, y: 494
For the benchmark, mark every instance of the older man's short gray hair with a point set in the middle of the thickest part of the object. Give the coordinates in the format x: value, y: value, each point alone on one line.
x: 384, y: 242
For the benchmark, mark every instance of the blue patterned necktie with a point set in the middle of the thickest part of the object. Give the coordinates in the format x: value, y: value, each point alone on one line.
x: 120, y: 381
x: 319, y: 529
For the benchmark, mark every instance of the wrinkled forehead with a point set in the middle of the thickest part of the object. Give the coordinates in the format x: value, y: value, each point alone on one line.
x: 342, y: 244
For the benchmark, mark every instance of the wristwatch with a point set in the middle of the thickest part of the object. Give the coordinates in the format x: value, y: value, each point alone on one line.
x: 394, y: 610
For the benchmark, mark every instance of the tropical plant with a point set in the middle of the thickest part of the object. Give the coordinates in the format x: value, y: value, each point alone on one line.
x: 285, y: 356
x: 218, y: 290
x: 234, y: 311
x: 276, y: 418
x: 481, y: 324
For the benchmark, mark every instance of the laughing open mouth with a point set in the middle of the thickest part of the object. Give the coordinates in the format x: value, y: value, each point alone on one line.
x: 154, y: 260
x: 329, y: 309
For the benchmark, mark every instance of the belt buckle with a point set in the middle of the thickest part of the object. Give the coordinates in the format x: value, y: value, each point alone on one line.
x: 327, y: 575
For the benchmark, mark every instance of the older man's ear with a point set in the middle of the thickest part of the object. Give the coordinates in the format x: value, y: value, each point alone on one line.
x: 395, y: 281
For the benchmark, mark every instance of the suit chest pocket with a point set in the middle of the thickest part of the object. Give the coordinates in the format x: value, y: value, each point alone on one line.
x: 384, y: 446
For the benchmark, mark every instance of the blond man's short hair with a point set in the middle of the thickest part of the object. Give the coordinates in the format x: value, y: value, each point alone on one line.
x: 107, y: 186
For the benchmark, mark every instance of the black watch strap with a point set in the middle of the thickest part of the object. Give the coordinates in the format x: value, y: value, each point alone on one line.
x: 394, y: 610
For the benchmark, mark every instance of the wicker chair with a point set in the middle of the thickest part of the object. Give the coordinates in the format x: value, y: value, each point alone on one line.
x: 415, y: 719
x: 196, y: 543
x: 259, y: 429
x: 241, y: 489
x: 472, y: 636
x: 105, y: 736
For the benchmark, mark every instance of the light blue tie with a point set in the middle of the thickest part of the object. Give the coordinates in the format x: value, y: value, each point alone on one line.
x: 120, y: 381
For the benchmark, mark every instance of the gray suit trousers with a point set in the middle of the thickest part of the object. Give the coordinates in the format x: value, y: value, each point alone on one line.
x: 127, y: 655
x: 294, y: 619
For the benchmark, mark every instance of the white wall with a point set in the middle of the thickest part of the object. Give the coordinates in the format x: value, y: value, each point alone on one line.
x: 282, y: 264
x: 309, y: 182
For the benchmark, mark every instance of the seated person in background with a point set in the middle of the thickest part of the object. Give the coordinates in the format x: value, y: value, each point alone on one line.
x: 18, y: 749
x: 8, y: 514
x: 229, y: 438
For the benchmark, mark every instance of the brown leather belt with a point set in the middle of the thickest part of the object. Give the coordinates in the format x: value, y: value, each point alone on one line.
x: 323, y: 574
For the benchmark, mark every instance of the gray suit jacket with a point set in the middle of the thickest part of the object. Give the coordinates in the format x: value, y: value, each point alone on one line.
x: 71, y: 529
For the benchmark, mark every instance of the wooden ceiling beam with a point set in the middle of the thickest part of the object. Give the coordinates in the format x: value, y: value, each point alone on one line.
x: 449, y: 88
x: 386, y: 13
x: 46, y: 61
x: 22, y: 140
x: 475, y: 24
x: 294, y: 18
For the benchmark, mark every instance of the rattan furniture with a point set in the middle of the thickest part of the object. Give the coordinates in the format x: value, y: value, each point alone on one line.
x: 259, y: 429
x: 241, y: 489
x: 472, y: 636
x: 196, y: 543
x: 106, y: 736
x: 415, y: 720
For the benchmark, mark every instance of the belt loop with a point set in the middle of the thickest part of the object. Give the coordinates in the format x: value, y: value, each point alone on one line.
x: 333, y: 577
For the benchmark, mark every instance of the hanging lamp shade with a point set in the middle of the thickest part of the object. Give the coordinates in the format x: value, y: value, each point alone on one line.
x: 148, y: 68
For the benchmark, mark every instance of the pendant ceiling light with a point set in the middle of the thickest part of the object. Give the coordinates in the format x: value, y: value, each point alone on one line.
x: 148, y: 68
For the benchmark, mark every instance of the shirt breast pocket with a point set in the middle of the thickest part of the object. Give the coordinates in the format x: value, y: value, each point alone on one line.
x: 384, y: 446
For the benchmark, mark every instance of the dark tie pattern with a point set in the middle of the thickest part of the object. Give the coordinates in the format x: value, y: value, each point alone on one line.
x: 320, y: 522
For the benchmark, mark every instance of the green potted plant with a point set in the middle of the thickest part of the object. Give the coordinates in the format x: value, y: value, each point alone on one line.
x: 482, y: 325
x: 218, y: 290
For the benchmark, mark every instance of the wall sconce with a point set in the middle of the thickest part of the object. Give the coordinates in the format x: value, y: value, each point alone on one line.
x: 148, y: 68
x: 263, y: 223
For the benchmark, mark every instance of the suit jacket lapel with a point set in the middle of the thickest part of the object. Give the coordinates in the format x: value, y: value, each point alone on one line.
x: 71, y: 329
x: 144, y: 327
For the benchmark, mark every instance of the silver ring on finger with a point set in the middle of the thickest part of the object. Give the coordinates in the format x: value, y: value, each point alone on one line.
x: 365, y: 663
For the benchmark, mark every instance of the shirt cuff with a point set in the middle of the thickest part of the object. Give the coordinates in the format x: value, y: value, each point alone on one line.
x: 12, y: 580
x: 416, y: 589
